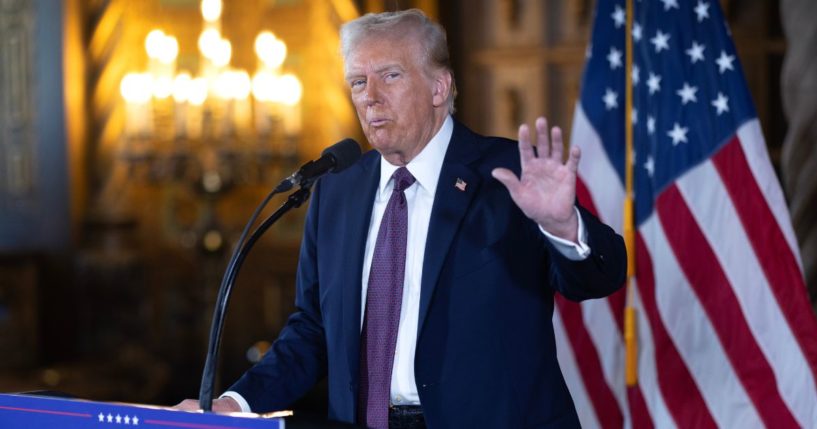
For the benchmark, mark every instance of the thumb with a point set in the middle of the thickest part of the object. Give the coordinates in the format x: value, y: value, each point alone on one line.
x: 507, y: 178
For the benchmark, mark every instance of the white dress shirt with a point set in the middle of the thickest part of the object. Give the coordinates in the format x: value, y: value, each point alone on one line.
x: 425, y: 168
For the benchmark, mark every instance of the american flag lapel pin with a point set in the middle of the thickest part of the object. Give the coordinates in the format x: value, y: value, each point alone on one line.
x: 460, y: 184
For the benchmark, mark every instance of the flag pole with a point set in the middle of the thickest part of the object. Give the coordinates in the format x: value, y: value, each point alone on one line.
x: 630, y: 340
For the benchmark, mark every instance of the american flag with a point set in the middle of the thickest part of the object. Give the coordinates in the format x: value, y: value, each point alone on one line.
x: 726, y: 335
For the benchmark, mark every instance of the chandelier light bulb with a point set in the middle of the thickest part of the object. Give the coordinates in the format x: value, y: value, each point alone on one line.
x: 263, y: 86
x: 136, y: 88
x: 169, y: 51
x: 289, y: 89
x: 222, y: 53
x: 271, y: 50
x: 208, y: 42
x: 197, y: 91
x: 154, y: 43
x: 211, y: 10
x: 182, y: 87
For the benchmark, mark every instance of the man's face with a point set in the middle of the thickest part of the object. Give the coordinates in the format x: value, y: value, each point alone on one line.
x: 400, y: 105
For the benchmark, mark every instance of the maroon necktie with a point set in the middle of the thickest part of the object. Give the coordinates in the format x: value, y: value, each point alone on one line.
x: 383, y: 300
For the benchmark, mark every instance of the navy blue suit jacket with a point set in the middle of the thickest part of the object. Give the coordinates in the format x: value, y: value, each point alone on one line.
x: 485, y: 353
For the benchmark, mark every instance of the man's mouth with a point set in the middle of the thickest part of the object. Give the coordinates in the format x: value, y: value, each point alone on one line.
x: 377, y: 122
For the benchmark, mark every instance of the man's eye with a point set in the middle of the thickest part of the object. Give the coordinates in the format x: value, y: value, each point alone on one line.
x: 357, y: 83
x: 392, y: 75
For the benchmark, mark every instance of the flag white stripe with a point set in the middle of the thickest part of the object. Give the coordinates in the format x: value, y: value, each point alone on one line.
x: 596, y: 170
x: 647, y: 371
x: 573, y: 378
x: 608, y: 342
x: 691, y: 331
x: 711, y: 206
x: 754, y: 146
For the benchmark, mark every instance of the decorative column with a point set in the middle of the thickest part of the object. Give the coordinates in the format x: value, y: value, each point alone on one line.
x: 799, y: 159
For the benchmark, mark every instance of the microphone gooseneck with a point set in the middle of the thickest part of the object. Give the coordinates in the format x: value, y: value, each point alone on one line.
x: 335, y: 158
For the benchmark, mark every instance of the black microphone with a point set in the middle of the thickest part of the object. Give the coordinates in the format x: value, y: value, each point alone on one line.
x: 335, y: 158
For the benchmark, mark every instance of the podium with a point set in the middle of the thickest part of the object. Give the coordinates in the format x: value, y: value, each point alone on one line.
x: 34, y: 412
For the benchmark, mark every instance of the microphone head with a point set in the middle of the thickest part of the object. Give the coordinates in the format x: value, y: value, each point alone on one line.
x: 345, y: 152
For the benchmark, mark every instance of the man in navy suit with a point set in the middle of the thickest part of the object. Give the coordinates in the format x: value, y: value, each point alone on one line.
x: 493, y: 233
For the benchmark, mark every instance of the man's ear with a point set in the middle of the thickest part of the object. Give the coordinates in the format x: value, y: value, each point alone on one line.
x: 441, y: 88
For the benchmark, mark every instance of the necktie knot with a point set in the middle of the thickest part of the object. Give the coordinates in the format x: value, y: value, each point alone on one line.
x: 402, y: 179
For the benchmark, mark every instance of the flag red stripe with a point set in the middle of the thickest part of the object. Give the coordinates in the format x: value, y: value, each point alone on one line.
x: 585, y: 199
x: 589, y: 364
x: 681, y: 394
x: 776, y: 258
x: 709, y: 282
x: 618, y: 300
x: 639, y: 413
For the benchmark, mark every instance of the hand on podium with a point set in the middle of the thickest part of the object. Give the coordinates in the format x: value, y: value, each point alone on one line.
x: 220, y: 405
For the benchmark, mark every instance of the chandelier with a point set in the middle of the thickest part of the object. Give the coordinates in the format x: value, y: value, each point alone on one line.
x: 217, y: 124
x: 206, y: 131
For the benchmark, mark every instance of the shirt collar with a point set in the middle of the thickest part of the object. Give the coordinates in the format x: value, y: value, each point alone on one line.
x: 426, y: 166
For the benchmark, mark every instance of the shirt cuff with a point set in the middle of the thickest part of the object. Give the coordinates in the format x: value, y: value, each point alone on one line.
x: 245, y: 407
x: 570, y: 250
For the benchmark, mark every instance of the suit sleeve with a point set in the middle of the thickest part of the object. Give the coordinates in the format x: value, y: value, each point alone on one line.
x: 297, y: 359
x: 601, y: 273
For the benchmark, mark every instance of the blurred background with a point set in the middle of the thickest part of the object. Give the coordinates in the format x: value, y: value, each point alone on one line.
x: 137, y: 136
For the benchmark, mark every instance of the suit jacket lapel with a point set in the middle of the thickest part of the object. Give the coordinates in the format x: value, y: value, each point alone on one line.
x: 359, y: 205
x: 450, y: 205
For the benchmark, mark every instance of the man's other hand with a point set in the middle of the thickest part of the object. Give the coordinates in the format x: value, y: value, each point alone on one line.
x: 220, y: 405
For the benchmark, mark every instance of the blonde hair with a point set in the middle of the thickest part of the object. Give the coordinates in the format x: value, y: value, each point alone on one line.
x: 411, y: 22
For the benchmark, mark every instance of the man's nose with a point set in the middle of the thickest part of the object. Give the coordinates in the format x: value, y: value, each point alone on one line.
x: 373, y: 93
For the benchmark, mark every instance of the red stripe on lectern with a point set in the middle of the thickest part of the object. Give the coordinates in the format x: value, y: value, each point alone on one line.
x: 187, y: 425
x: 59, y: 413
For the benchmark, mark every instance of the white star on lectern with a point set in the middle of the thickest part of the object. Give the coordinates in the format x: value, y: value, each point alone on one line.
x: 135, y: 421
x: 118, y: 419
x: 678, y: 134
x: 101, y: 417
x: 110, y: 418
x: 721, y: 103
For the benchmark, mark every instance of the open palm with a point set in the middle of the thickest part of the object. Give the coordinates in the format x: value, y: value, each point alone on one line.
x: 546, y: 191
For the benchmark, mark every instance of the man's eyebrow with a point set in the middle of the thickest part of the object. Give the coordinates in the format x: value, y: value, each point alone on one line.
x: 351, y: 74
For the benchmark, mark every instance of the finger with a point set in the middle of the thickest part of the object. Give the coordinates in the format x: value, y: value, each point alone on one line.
x: 507, y: 178
x: 188, y: 405
x: 542, y: 140
x: 556, y: 144
x: 573, y: 159
x: 525, y: 147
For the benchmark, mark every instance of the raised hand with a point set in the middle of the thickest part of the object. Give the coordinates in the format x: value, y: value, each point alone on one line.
x: 546, y: 192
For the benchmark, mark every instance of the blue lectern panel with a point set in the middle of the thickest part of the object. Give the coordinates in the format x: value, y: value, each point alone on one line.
x: 34, y: 412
